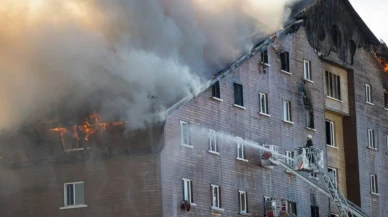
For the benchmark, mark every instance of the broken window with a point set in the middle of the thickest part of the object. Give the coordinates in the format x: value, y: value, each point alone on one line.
x: 187, y: 190
x: 184, y: 133
x: 309, y: 118
x: 314, y: 211
x: 321, y: 33
x: 333, y: 85
x: 373, y: 184
x: 336, y: 36
x: 368, y: 94
x: 333, y: 171
x: 352, y: 48
x: 287, y: 111
x: 264, y: 57
x: 240, y: 148
x: 330, y: 136
x: 285, y: 62
x: 238, y: 94
x: 212, y: 141
x: 385, y: 99
x: 216, y: 196
x: 307, y: 70
x: 216, y: 90
x: 74, y: 194
x: 371, y: 139
x: 243, y: 203
x: 263, y: 103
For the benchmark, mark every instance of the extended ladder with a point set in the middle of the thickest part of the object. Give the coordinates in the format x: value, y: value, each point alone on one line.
x: 345, y: 207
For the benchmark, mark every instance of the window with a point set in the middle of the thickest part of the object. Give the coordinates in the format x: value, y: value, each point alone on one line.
x: 313, y: 175
x: 216, y: 196
x: 263, y: 103
x: 333, y: 171
x: 333, y: 85
x: 187, y: 190
x: 373, y: 184
x: 289, y: 207
x: 240, y: 148
x: 330, y: 136
x: 290, y: 156
x: 216, y: 90
x: 309, y: 118
x: 334, y: 215
x: 371, y: 139
x: 184, y: 133
x: 385, y: 99
x: 238, y: 94
x: 285, y: 62
x: 368, y: 95
x: 74, y: 194
x: 287, y: 111
x: 264, y: 57
x: 212, y: 141
x: 242, y: 200
x: 314, y: 211
x: 307, y: 70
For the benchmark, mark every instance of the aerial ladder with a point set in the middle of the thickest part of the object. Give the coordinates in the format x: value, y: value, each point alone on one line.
x: 310, y: 159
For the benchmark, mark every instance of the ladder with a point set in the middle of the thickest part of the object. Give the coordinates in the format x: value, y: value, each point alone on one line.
x: 345, y: 207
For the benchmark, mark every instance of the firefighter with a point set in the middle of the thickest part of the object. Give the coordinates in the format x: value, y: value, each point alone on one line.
x: 309, y: 143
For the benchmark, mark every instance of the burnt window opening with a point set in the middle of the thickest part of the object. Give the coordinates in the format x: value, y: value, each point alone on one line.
x: 309, y: 118
x: 352, y: 47
x: 321, y: 33
x: 285, y: 61
x: 385, y: 99
x: 216, y: 90
x: 238, y: 94
x: 314, y: 211
x: 264, y: 57
x: 336, y: 36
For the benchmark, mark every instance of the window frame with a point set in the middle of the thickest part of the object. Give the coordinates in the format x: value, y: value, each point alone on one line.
x: 285, y: 61
x: 188, y: 190
x: 289, y: 154
x: 368, y: 94
x: 371, y: 139
x: 265, y: 96
x: 238, y: 94
x: 216, y: 90
x: 374, y: 189
x: 182, y: 124
x: 218, y: 196
x: 243, y: 211
x: 307, y: 70
x: 65, y: 195
x: 264, y: 57
x: 332, y: 133
x: 335, y: 170
x: 240, y: 142
x: 212, y: 136
x: 333, y: 85
x: 287, y: 115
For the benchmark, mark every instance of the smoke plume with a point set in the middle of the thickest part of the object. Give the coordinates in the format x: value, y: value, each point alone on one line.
x: 123, y: 57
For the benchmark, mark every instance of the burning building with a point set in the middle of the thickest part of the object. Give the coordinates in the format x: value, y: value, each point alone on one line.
x: 145, y: 153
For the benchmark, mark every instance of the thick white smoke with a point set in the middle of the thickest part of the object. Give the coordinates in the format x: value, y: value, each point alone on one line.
x: 115, y: 54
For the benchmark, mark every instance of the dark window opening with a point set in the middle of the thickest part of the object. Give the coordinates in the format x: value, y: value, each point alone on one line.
x: 309, y: 118
x: 285, y: 62
x: 333, y: 85
x: 70, y: 194
x: 314, y: 211
x: 238, y: 94
x: 353, y: 48
x: 216, y: 90
x: 321, y: 33
x: 264, y: 57
x: 336, y: 36
x: 385, y: 99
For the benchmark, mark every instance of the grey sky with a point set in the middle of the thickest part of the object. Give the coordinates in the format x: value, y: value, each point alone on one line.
x: 375, y: 15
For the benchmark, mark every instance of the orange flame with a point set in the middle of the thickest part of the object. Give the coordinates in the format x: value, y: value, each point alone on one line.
x: 383, y: 63
x: 87, y: 128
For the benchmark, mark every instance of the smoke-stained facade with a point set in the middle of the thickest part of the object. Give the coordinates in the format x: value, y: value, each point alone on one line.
x: 66, y: 166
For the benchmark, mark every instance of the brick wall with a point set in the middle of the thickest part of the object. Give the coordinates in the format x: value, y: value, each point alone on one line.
x: 113, y: 188
x: 232, y: 175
